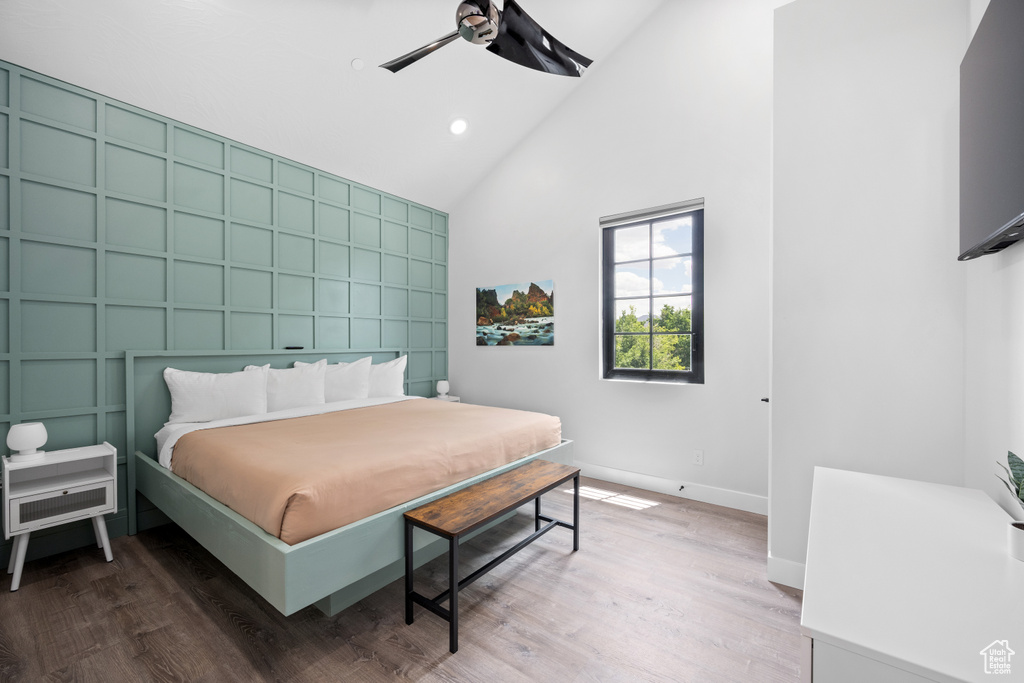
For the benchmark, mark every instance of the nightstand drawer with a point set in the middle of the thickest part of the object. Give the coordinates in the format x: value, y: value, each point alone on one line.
x: 28, y: 513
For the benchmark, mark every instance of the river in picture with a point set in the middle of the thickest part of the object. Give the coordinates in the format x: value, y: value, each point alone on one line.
x: 525, y: 332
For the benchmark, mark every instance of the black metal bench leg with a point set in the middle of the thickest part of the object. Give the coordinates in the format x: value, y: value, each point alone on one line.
x: 536, y: 514
x: 408, y: 572
x: 575, y: 513
x: 453, y: 595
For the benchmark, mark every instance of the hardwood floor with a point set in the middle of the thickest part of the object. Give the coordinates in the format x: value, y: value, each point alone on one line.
x: 673, y: 592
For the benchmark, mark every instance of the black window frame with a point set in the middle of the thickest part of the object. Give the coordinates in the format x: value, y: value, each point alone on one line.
x: 608, y: 314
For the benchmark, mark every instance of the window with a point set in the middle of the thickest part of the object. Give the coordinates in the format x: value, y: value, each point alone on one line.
x: 653, y: 298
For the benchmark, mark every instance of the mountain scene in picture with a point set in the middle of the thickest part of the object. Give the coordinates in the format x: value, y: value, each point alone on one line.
x: 516, y: 315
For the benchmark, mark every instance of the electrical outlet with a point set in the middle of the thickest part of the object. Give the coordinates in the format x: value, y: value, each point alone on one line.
x: 698, y: 457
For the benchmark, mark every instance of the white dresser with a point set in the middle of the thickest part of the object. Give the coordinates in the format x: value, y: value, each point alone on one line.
x: 908, y: 582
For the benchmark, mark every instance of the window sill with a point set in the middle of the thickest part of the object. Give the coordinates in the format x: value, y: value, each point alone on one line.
x: 640, y: 380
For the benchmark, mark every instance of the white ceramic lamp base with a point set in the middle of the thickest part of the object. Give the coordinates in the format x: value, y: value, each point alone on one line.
x: 26, y: 456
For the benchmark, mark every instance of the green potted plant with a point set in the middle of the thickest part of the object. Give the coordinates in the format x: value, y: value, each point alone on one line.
x: 1015, y: 483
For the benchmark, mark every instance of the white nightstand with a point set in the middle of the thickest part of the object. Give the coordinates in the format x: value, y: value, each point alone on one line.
x: 449, y: 398
x: 60, y: 487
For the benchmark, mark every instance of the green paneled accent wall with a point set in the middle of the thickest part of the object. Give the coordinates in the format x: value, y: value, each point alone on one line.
x: 121, y: 229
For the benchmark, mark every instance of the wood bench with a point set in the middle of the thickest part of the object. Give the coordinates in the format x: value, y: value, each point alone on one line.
x: 462, y: 512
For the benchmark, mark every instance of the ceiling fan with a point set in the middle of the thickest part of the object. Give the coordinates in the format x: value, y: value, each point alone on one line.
x: 508, y: 33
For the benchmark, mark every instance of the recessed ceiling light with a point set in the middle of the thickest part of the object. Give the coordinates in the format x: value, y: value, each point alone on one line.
x: 357, y: 64
x: 458, y: 126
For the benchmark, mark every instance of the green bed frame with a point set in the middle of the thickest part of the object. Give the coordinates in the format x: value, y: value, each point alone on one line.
x: 333, y: 570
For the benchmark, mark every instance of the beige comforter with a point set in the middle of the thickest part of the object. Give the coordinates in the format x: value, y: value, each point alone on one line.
x: 300, y: 477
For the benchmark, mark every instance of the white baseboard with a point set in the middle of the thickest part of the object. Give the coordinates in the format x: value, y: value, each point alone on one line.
x: 706, y: 494
x: 786, y: 572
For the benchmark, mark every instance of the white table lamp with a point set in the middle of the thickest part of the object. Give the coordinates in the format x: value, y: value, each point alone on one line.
x: 26, y: 438
x: 442, y: 388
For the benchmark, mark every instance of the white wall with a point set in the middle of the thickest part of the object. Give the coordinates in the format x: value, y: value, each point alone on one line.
x: 994, y: 337
x: 868, y: 369
x: 995, y: 370
x: 976, y: 12
x: 994, y: 365
x: 675, y: 113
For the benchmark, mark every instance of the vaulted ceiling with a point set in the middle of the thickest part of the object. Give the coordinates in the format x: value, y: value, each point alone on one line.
x: 279, y: 76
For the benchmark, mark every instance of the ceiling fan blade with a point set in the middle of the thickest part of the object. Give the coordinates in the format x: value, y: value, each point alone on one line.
x: 396, y: 65
x: 523, y: 41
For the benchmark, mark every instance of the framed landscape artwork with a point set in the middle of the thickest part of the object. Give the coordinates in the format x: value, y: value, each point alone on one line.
x: 516, y: 315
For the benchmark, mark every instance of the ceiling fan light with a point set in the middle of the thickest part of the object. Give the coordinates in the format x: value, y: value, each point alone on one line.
x: 476, y: 22
x: 458, y: 126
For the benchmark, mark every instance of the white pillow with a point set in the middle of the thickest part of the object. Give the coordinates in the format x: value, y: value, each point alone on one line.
x: 388, y: 379
x: 293, y: 387
x: 346, y: 381
x: 207, y: 396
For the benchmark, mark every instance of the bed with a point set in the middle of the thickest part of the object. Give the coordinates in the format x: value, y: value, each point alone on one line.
x: 331, y: 570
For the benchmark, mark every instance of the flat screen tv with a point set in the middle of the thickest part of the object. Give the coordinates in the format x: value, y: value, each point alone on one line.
x: 992, y: 133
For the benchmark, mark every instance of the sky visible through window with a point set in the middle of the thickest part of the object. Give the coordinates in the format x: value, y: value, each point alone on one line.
x: 672, y: 274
